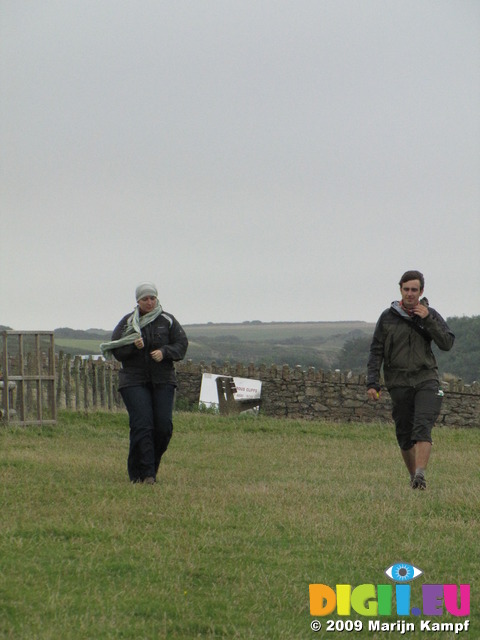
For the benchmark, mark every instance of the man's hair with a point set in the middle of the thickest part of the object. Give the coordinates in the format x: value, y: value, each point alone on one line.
x: 413, y: 275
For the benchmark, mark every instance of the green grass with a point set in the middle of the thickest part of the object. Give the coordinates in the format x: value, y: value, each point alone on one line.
x: 246, y: 514
x: 78, y: 345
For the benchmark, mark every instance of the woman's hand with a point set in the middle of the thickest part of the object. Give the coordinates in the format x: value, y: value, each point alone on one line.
x: 157, y: 355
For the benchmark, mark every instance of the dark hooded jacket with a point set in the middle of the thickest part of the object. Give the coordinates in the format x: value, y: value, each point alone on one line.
x: 138, y: 366
x: 403, y: 344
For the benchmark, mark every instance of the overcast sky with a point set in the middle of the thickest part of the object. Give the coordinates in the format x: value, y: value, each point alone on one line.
x: 257, y: 159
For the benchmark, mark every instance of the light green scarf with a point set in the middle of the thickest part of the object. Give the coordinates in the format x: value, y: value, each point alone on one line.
x: 133, y: 330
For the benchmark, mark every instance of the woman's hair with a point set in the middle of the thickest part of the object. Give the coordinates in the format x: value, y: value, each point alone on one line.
x: 413, y: 275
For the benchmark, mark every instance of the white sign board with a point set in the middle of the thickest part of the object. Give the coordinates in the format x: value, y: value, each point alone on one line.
x: 238, y: 394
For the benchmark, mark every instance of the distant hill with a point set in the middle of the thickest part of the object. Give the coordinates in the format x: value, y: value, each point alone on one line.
x: 317, y: 344
x: 323, y: 345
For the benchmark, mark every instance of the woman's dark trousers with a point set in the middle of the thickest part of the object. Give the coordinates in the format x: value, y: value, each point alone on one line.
x: 150, y: 411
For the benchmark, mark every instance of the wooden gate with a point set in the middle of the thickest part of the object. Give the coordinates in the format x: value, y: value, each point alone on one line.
x: 28, y: 377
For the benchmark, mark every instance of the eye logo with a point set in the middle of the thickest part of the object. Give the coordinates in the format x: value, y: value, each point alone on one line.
x: 403, y: 572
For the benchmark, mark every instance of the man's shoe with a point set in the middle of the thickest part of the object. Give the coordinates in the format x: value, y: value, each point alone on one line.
x: 149, y: 480
x: 419, y: 482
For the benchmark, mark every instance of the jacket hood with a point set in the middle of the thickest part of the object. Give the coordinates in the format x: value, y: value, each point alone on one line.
x: 396, y: 307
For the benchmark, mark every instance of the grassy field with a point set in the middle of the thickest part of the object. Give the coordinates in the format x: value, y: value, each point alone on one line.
x: 77, y: 345
x: 315, y: 344
x: 279, y: 331
x: 247, y: 331
x: 246, y: 514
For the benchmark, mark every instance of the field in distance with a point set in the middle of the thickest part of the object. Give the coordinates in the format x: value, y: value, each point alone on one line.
x: 317, y: 344
x: 281, y: 331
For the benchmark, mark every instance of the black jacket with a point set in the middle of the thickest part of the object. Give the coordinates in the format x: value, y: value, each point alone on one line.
x: 138, y: 366
x: 403, y: 345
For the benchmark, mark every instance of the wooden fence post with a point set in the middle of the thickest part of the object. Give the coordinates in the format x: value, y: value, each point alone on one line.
x: 109, y: 383
x: 76, y: 375
x: 68, y: 381
x: 85, y: 377
x: 101, y: 382
x: 94, y: 378
x: 60, y: 382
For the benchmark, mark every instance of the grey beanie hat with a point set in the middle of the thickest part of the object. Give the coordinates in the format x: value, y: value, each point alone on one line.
x: 145, y: 289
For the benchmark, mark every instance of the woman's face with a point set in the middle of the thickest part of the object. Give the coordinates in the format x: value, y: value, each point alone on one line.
x: 147, y: 304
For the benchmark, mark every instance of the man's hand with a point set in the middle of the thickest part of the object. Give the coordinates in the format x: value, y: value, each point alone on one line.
x: 421, y: 311
x: 373, y: 394
x: 139, y: 343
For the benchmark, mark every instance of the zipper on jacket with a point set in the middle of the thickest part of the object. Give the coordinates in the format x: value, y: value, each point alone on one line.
x: 390, y: 351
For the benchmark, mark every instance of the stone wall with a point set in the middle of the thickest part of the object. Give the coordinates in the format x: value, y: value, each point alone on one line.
x: 286, y: 392
x: 333, y: 396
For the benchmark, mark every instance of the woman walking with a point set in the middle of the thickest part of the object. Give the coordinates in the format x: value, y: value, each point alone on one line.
x: 147, y: 342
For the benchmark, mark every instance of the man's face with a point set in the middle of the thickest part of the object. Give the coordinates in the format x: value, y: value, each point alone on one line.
x: 411, y: 293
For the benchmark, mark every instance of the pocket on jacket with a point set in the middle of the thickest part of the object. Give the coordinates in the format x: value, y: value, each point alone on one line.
x: 160, y: 337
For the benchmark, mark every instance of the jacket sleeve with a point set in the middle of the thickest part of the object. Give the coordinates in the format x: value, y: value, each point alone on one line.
x: 177, y: 347
x: 375, y: 358
x: 439, y: 330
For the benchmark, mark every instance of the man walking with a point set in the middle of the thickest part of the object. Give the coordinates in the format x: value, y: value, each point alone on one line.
x: 402, y: 342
